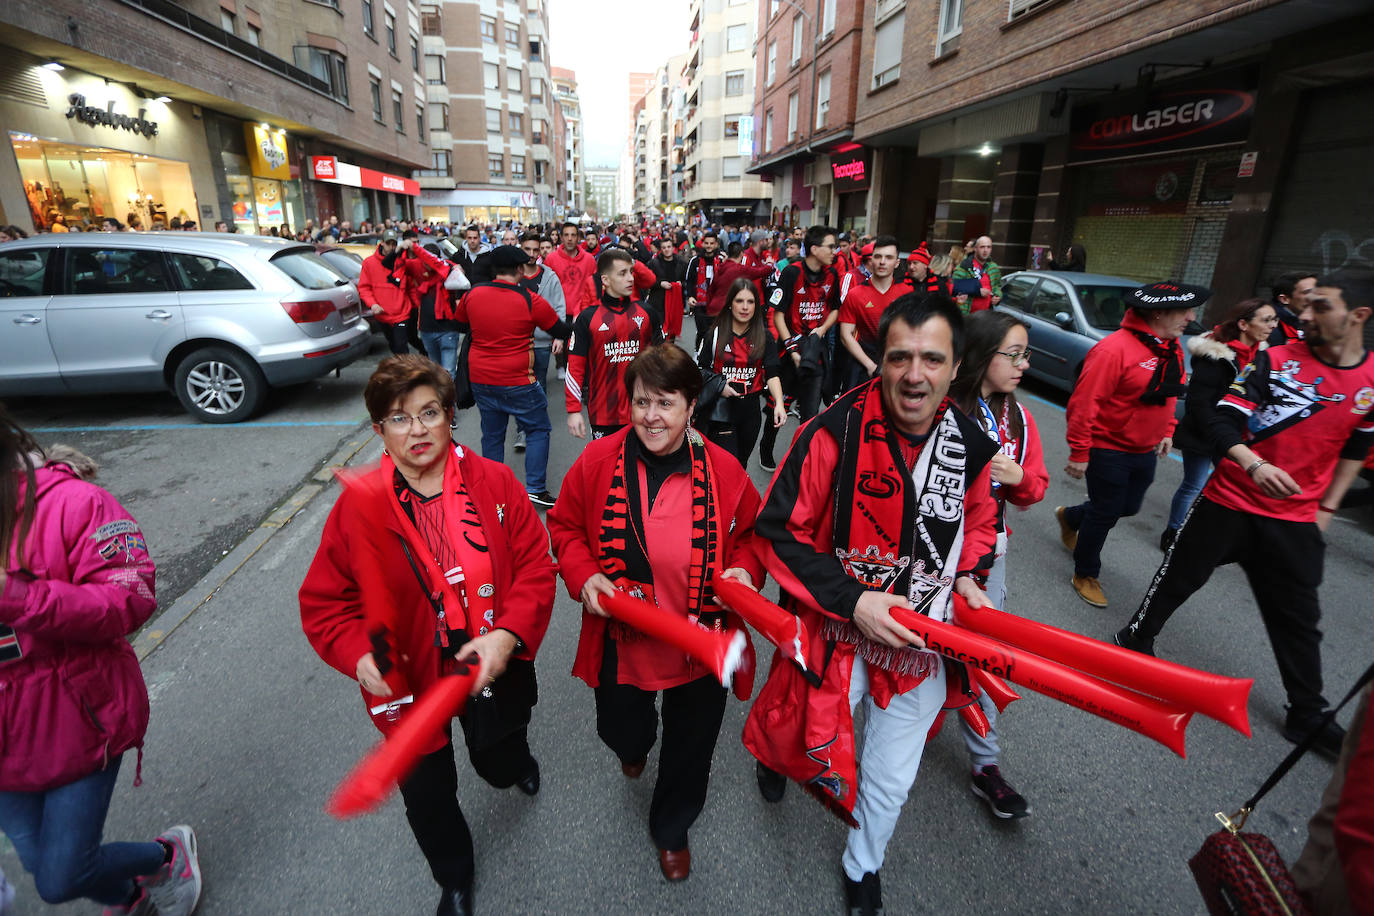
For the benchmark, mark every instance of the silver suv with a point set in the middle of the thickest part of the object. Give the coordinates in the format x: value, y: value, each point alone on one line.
x: 217, y: 318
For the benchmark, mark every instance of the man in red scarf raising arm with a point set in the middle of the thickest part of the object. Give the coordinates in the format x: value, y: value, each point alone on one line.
x: 883, y: 502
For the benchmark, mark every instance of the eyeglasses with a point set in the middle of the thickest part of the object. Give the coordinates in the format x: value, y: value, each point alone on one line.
x: 1017, y: 356
x: 429, y: 418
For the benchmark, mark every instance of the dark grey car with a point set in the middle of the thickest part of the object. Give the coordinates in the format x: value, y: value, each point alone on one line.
x: 216, y: 318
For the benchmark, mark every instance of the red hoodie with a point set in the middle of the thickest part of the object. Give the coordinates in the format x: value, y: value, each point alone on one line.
x: 1105, y: 410
x: 573, y: 272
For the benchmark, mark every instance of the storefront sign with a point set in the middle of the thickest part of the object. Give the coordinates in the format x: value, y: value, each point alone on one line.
x: 1190, y: 118
x: 849, y: 171
x: 89, y: 114
x: 1247, y: 165
x: 329, y: 168
x: 267, y: 152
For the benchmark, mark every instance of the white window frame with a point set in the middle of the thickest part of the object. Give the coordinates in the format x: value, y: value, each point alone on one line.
x: 728, y: 75
x: 951, y: 25
x: 822, y: 99
x: 494, y: 121
x: 796, y: 39
x: 739, y: 31
x: 793, y: 107
x: 768, y: 132
x: 827, y: 18
x: 772, y: 71
x: 487, y: 70
x: 725, y: 163
x: 892, y: 71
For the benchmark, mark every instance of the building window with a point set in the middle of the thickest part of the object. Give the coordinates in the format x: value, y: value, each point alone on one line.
x: 951, y: 25
x: 731, y: 127
x: 517, y: 122
x: 730, y: 167
x: 434, y: 70
x: 772, y: 62
x: 254, y: 36
x: 791, y: 117
x: 517, y: 167
x: 827, y: 17
x: 415, y: 53
x: 420, y: 123
x: 431, y: 23
x: 796, y: 39
x: 822, y: 99
x: 391, y: 33
x: 496, y: 167
x: 489, y: 30
x: 398, y: 111
x: 376, y: 89
x: 536, y: 90
x: 513, y: 36
x: 734, y: 82
x: 737, y: 38
x: 513, y: 79
x: 438, y: 116
x: 493, y: 120
x: 369, y: 27
x: 226, y: 21
x: 491, y: 76
x: 768, y: 132
x: 537, y: 132
x: 536, y: 51
x: 887, y: 49
x: 327, y: 66
x: 441, y: 165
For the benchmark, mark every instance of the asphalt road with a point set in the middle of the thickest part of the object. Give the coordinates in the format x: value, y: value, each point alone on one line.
x: 250, y: 730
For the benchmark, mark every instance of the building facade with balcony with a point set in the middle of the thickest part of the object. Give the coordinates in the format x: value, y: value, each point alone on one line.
x: 262, y: 115
x: 602, y: 189
x: 658, y: 142
x: 572, y: 168
x: 718, y: 121
x: 487, y: 72
x: 1206, y: 141
x: 806, y: 70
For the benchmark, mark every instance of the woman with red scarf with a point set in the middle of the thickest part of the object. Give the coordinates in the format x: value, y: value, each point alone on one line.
x: 1217, y: 356
x: 656, y: 511
x: 433, y: 557
x: 740, y: 357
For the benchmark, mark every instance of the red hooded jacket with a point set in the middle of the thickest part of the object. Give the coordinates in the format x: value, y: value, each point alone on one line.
x: 376, y: 286
x: 573, y: 273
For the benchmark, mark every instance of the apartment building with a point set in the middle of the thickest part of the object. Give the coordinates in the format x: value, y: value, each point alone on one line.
x: 806, y: 69
x: 262, y: 113
x: 719, y: 118
x: 658, y: 141
x: 565, y: 89
x: 601, y: 189
x: 490, y: 92
x: 1208, y: 141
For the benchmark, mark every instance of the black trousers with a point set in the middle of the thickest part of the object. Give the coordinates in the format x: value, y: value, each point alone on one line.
x: 627, y: 723
x: 397, y: 336
x: 431, y: 798
x: 738, y: 434
x: 1283, y: 562
x: 806, y: 389
x: 1117, y: 482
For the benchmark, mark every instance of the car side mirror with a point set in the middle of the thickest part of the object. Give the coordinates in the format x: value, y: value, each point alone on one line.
x: 1064, y: 320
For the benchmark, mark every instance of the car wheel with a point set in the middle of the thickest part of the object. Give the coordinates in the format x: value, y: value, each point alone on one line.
x: 219, y: 385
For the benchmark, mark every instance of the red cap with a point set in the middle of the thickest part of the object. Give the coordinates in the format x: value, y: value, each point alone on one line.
x: 867, y: 250
x: 919, y: 253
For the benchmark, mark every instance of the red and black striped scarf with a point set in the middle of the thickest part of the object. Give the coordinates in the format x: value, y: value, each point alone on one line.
x: 623, y: 547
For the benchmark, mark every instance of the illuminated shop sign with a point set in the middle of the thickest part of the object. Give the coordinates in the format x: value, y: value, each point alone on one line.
x: 108, y: 117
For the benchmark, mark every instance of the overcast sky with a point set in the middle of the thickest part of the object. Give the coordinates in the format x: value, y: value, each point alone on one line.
x: 604, y: 43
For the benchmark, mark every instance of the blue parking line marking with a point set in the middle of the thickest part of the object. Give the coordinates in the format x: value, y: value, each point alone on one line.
x: 157, y: 426
x: 1026, y: 394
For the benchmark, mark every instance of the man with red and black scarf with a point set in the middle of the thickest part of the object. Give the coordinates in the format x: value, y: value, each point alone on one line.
x: 882, y: 502
x: 700, y: 280
x: 605, y: 338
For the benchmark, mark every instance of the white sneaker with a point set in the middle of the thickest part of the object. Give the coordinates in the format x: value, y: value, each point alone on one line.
x: 175, y: 888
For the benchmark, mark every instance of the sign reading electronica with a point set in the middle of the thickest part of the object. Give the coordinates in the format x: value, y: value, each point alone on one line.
x: 329, y: 168
x: 849, y: 171
x: 1179, y: 119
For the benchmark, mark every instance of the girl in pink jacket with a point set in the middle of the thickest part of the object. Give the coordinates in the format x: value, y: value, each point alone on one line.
x: 76, y: 579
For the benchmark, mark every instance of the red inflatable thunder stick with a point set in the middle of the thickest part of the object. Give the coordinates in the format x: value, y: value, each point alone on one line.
x: 1215, y: 696
x: 369, y: 783
x: 1153, y: 718
x: 724, y: 653
x: 782, y: 628
x: 996, y: 688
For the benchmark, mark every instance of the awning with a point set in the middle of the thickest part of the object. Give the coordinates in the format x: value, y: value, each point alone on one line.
x: 329, y: 168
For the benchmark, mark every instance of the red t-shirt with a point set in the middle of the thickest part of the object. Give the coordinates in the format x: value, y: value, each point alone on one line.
x: 864, y: 306
x: 1303, y: 416
x: 503, y: 332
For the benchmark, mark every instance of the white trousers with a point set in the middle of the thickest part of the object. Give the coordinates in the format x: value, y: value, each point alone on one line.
x: 894, y: 739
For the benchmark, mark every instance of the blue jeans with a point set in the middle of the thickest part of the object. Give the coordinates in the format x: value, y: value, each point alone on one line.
x: 541, y: 366
x: 57, y: 836
x: 442, y: 347
x: 1197, y: 467
x: 1117, y: 482
x: 530, y: 407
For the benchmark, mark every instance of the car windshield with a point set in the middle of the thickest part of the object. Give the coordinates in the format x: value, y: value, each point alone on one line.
x: 308, y: 269
x: 1104, y: 306
x: 346, y: 262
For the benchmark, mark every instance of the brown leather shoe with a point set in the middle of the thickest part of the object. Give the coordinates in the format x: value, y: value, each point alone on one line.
x: 676, y: 864
x: 1067, y: 536
x: 1090, y: 590
x: 634, y: 770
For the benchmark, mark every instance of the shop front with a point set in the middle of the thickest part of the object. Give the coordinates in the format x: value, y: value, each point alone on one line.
x: 851, y: 169
x: 265, y: 187
x: 356, y: 194
x: 1150, y: 178
x: 487, y: 207
x: 100, y: 149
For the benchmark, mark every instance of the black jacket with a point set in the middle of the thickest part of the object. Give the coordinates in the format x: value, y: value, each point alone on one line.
x: 1213, y: 369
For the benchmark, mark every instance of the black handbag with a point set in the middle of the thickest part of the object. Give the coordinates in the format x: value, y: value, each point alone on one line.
x: 1242, y: 874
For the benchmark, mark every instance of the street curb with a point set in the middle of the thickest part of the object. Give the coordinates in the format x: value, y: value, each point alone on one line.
x: 156, y: 631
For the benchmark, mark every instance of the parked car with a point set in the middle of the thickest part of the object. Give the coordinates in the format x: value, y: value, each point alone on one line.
x: 1067, y: 313
x: 217, y: 318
